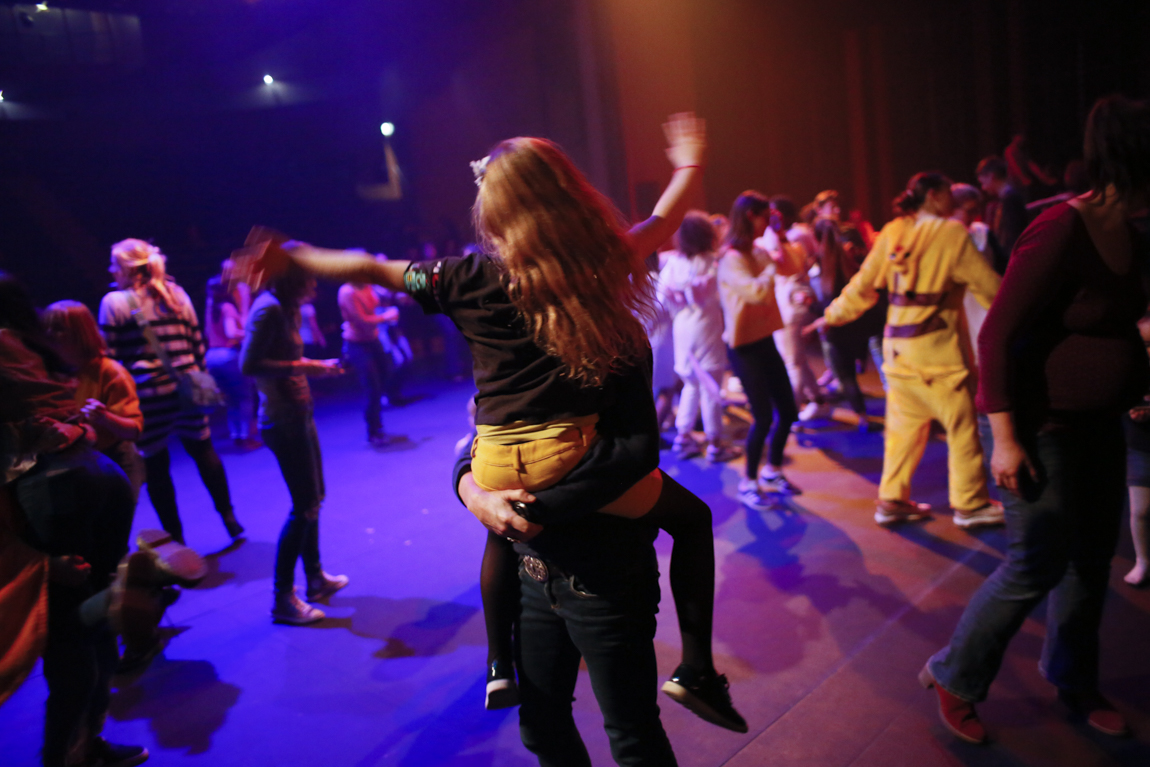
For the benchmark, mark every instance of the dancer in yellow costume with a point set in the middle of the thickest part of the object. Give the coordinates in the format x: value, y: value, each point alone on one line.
x: 926, y: 262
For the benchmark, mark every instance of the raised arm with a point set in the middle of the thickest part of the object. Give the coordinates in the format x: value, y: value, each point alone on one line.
x: 267, y: 254
x: 686, y: 149
x: 347, y: 265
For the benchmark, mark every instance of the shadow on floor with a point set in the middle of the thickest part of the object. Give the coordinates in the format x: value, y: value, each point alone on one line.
x: 239, y: 564
x: 409, y: 627
x: 184, y: 702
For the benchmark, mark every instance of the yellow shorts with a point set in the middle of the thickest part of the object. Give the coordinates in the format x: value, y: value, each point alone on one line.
x: 540, y: 463
x: 531, y: 465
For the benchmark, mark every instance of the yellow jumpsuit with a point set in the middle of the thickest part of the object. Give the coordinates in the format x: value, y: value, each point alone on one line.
x: 926, y: 263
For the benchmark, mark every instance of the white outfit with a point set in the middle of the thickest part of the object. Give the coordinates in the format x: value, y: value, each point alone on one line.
x: 975, y: 313
x: 789, y: 339
x: 688, y: 286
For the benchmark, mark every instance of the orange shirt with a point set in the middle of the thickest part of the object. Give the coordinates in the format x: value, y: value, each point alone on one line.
x: 108, y: 381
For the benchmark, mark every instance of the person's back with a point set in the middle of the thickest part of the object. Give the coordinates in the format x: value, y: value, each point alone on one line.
x: 918, y: 260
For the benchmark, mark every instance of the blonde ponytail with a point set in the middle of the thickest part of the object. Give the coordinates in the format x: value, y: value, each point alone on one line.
x: 146, y: 269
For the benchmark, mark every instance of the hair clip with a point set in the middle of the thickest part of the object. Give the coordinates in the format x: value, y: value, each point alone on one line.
x: 479, y: 168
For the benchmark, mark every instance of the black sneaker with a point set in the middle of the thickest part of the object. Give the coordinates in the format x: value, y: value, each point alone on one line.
x: 502, y: 692
x: 706, y: 695
x: 101, y: 753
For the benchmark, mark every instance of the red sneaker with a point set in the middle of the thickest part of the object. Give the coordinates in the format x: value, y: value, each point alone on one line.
x: 957, y: 714
x: 1097, y: 711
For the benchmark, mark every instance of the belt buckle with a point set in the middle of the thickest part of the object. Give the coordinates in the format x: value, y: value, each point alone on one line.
x: 535, y: 567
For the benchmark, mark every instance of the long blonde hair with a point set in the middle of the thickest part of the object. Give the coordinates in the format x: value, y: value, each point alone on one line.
x: 144, y: 267
x: 571, y: 271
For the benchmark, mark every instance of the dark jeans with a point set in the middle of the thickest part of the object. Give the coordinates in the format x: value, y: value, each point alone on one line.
x: 764, y: 377
x: 561, y: 623
x: 842, y: 364
x: 77, y: 502
x: 79, y: 662
x: 1062, y: 534
x: 162, y: 492
x: 295, y: 445
x: 370, y: 364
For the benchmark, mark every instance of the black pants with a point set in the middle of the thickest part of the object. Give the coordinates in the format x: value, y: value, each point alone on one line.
x: 768, y: 387
x: 295, y: 445
x: 79, y: 662
x: 77, y: 502
x: 162, y: 492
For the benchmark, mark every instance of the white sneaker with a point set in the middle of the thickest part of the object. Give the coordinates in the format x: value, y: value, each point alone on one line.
x: 816, y: 411
x: 289, y: 608
x: 752, y: 498
x: 889, y: 513
x: 990, y: 514
x: 777, y: 484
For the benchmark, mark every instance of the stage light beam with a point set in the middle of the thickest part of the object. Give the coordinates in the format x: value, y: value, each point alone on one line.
x: 387, y: 129
x: 1, y: 95
x: 268, y: 79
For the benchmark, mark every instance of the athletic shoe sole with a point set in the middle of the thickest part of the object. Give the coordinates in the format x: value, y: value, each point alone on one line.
x: 501, y: 693
x: 325, y: 593
x: 698, y: 706
x: 979, y: 519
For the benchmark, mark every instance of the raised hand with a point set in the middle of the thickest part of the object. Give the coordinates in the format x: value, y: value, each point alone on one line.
x: 686, y: 139
x: 262, y: 258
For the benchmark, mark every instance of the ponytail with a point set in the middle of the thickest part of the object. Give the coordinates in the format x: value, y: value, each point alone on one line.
x: 908, y: 202
x: 146, y: 268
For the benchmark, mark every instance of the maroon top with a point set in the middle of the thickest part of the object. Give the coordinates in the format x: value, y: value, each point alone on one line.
x: 1062, y: 334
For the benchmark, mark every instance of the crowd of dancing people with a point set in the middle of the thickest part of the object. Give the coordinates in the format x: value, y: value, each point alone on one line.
x: 1016, y: 325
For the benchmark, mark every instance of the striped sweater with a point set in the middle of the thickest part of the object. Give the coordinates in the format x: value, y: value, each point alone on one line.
x: 178, y: 330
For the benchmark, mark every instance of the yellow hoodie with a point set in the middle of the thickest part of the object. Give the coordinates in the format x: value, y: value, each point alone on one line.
x: 926, y: 263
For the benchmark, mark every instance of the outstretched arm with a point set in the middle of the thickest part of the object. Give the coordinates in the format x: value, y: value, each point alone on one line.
x: 686, y: 149
x: 347, y: 265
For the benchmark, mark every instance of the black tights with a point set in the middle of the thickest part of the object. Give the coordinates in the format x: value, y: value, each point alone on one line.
x: 771, y: 397
x: 162, y: 492
x: 678, y: 511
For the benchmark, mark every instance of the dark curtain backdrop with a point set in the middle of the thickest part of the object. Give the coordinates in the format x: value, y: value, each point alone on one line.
x: 174, y: 137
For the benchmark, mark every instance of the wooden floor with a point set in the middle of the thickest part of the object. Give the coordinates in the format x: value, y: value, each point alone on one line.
x: 822, y: 621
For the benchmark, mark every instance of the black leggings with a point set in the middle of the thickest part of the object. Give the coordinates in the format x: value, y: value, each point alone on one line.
x: 768, y: 387
x: 162, y: 492
x: 678, y: 511
x: 842, y: 363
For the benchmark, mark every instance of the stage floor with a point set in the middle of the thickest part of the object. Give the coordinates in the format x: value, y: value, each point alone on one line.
x: 823, y: 620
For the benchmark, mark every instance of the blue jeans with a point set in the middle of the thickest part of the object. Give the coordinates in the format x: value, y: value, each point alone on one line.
x: 295, y: 444
x: 224, y: 365
x: 561, y: 622
x: 1062, y: 534
x: 370, y: 364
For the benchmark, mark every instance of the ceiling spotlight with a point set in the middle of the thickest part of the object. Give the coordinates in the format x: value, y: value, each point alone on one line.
x: 268, y: 79
x: 41, y: 7
x: 387, y: 129
x: 1, y: 95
